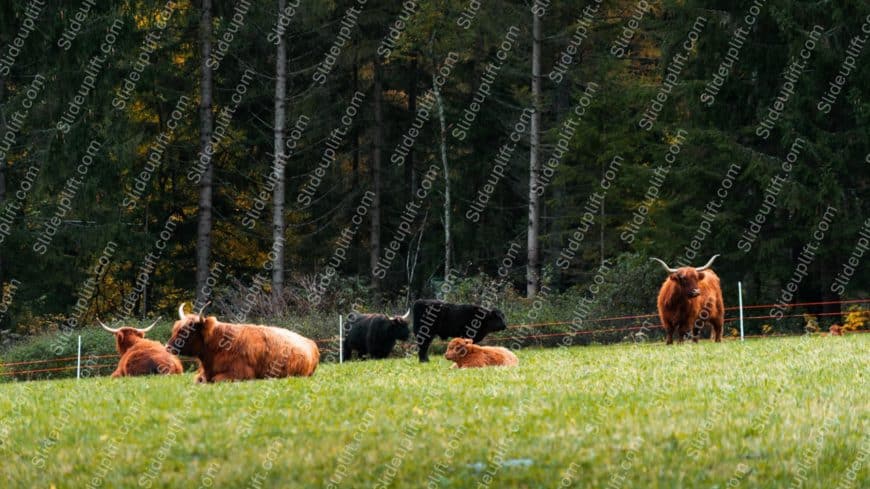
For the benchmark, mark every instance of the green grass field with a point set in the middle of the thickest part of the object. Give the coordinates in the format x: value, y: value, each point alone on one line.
x: 765, y: 413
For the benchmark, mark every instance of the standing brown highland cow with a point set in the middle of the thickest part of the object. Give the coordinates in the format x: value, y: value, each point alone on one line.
x: 689, y: 300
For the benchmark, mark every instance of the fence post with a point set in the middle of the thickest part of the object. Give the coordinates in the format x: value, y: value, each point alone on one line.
x: 79, y: 360
x: 740, y: 300
x: 340, y: 340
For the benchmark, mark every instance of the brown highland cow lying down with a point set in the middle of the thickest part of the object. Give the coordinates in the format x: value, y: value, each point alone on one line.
x: 140, y: 356
x: 466, y: 354
x: 241, y: 351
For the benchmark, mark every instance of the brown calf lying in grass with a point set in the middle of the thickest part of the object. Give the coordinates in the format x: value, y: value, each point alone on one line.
x: 466, y: 354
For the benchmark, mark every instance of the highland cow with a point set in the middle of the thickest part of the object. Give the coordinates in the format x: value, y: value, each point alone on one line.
x: 374, y: 335
x: 140, y: 356
x: 689, y: 301
x: 241, y: 351
x: 466, y: 354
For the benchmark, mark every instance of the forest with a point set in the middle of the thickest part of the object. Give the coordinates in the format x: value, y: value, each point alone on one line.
x: 292, y: 157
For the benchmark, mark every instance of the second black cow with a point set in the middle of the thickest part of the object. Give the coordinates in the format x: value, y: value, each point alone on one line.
x: 374, y: 335
x: 438, y: 318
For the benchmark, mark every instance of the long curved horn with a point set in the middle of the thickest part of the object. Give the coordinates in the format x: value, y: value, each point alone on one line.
x: 145, y: 330
x: 669, y: 269
x: 203, y: 308
x: 701, y: 269
x: 407, y: 315
x: 181, y: 311
x: 110, y: 330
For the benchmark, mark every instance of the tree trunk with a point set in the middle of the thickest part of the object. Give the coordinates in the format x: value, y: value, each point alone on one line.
x: 203, y: 235
x: 356, y: 138
x: 827, y: 272
x: 602, y: 219
x: 534, y: 162
x: 144, y: 297
x: 375, y: 240
x: 2, y: 173
x: 278, y: 195
x: 412, y: 108
x: 448, y: 239
x: 410, y: 181
x: 552, y: 221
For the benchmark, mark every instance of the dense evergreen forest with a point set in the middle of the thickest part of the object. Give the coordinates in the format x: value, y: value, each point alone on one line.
x: 291, y: 156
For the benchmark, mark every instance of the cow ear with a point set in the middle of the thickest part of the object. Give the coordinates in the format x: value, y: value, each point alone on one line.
x: 673, y: 277
x: 700, y: 275
x: 208, y: 323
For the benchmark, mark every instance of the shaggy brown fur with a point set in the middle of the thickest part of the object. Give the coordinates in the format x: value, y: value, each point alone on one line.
x: 466, y: 354
x: 242, y: 351
x: 681, y: 310
x: 836, y: 330
x: 140, y: 356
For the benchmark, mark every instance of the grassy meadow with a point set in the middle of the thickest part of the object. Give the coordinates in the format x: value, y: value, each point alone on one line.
x: 764, y: 413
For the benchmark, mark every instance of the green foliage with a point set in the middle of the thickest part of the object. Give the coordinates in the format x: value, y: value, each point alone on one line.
x: 630, y: 287
x: 831, y: 169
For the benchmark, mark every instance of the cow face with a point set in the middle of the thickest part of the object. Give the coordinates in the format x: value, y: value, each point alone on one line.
x: 457, y: 348
x: 188, y: 336
x: 399, y: 329
x: 688, y: 279
x: 494, y: 321
x: 125, y: 338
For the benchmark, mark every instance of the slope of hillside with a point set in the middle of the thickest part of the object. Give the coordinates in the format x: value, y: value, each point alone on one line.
x: 763, y: 413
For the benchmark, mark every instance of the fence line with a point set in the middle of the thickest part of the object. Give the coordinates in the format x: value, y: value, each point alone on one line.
x: 33, y: 362
x: 798, y: 304
x: 637, y: 316
x: 566, y: 333
x: 55, y: 369
x: 728, y: 320
x: 494, y: 338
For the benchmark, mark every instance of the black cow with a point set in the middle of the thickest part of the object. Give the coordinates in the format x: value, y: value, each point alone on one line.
x: 374, y: 334
x: 432, y: 317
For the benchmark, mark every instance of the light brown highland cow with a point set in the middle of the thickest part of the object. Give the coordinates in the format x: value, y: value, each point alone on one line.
x: 466, y: 354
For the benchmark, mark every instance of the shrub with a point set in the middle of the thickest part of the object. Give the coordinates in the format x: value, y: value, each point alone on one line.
x: 856, y: 317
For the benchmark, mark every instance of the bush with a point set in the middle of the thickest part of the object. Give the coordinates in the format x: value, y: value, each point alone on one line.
x: 856, y: 317
x: 631, y: 287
